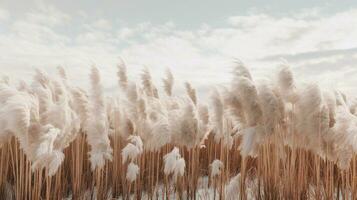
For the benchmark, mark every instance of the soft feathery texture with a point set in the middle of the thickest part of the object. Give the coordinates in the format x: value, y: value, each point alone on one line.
x: 132, y: 93
x: 342, y: 138
x: 217, y: 114
x: 341, y: 99
x: 122, y: 75
x: 43, y: 151
x: 147, y: 84
x: 221, y: 122
x: 216, y: 168
x: 136, y: 140
x: 17, y: 111
x: 52, y: 161
x: 37, y: 141
x: 247, y: 95
x: 48, y: 114
x: 126, y: 126
x: 179, y: 168
x: 159, y: 134
x: 311, y: 111
x: 174, y: 164
x: 330, y: 101
x: 249, y: 142
x: 311, y: 119
x: 184, y: 126
x: 141, y: 109
x: 233, y: 107
x: 241, y: 70
x: 203, y: 113
x: 81, y: 106
x: 130, y: 152
x: 233, y: 188
x: 286, y: 83
x: 23, y: 87
x: 168, y: 82
x: 61, y: 116
x: 353, y: 106
x: 191, y: 92
x: 46, y: 141
x: 132, y: 172
x: 204, y: 128
x: 97, y: 130
x: 41, y: 87
x: 131, y: 104
x: 62, y: 72
x: 170, y: 160
x: 272, y: 110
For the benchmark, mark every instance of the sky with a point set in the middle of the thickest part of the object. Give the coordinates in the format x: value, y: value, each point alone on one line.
x: 198, y: 40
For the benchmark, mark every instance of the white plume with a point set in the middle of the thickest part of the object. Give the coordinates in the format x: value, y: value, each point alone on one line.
x: 130, y: 152
x: 122, y: 75
x: 233, y: 188
x: 132, y: 172
x: 179, y: 168
x: 168, y: 82
x: 98, y: 130
x: 216, y: 168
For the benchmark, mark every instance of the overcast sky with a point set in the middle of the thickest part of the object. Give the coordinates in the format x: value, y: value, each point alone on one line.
x: 197, y: 40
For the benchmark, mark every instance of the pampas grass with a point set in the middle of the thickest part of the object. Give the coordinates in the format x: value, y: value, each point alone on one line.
x: 216, y: 168
x: 276, y: 138
x: 97, y: 127
x: 132, y: 173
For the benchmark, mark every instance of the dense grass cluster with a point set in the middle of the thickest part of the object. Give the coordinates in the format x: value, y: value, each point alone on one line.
x: 271, y: 139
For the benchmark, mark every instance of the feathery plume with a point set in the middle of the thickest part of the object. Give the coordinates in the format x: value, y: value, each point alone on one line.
x: 272, y: 108
x: 97, y: 131
x: 286, y: 83
x: 247, y: 95
x: 132, y: 172
x: 170, y: 160
x: 62, y: 72
x: 185, y: 127
x: 217, y: 117
x: 233, y: 188
x: 168, y: 82
x: 130, y: 152
x: 191, y: 92
x: 179, y: 168
x: 216, y: 168
x: 240, y: 70
x: 122, y: 75
x: 147, y: 83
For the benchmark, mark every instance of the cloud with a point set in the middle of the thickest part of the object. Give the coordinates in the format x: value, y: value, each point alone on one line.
x: 317, y: 45
x: 4, y: 15
x: 102, y: 24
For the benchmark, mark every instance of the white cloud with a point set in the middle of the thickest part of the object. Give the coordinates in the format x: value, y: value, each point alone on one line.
x: 102, y: 24
x: 4, y: 15
x: 48, y: 37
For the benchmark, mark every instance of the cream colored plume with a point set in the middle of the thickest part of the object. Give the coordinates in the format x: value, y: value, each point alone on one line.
x: 174, y: 164
x: 233, y: 188
x: 97, y: 127
x: 184, y: 126
x: 168, y: 82
x: 122, y: 74
x: 191, y: 92
x: 286, y: 82
x: 147, y: 84
x: 216, y: 168
x: 132, y: 172
x: 133, y: 149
